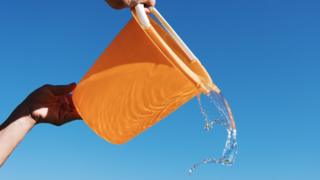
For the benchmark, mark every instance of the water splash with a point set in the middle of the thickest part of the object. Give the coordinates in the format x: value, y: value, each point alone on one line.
x: 225, y: 119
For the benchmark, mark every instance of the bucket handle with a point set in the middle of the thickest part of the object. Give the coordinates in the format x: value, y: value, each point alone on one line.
x: 145, y: 23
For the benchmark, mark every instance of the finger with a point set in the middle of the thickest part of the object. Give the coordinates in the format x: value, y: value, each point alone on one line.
x: 70, y: 110
x: 71, y: 116
x: 147, y: 10
x: 148, y: 3
x: 62, y: 89
x: 70, y: 104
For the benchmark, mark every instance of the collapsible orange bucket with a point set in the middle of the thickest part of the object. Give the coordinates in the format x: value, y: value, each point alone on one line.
x: 145, y: 74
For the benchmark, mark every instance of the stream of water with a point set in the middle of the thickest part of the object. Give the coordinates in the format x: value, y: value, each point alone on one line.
x: 223, y: 117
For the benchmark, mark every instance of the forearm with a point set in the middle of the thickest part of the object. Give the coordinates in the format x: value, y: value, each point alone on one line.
x: 35, y: 109
x: 12, y: 135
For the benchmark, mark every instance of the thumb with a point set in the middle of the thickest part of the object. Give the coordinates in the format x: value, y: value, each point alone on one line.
x: 147, y: 3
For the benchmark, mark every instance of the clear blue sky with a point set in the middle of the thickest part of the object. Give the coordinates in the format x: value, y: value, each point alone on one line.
x: 264, y: 55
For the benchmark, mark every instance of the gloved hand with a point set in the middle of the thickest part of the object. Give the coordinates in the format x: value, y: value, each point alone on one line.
x: 48, y: 104
x: 120, y: 4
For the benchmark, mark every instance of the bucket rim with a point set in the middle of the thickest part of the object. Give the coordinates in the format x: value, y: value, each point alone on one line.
x: 153, y: 34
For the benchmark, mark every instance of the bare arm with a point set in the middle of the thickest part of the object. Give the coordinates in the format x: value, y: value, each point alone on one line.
x: 48, y: 104
x: 12, y: 135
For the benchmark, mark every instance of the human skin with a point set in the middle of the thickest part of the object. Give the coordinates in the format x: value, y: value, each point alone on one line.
x: 120, y: 4
x: 48, y: 104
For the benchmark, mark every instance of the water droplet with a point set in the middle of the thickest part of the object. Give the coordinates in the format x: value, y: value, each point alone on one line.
x: 225, y: 119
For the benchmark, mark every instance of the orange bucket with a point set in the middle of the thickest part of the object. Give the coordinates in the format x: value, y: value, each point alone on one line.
x: 145, y: 74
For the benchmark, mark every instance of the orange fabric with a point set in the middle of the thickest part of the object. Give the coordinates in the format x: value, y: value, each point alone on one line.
x: 134, y: 84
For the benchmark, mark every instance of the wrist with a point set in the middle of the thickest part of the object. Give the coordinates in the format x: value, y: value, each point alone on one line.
x: 22, y: 111
x: 11, y: 135
x: 25, y: 123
